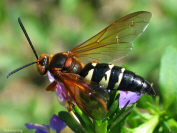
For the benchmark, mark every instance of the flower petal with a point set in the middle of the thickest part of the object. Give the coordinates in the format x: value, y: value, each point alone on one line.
x: 39, y: 128
x: 56, y: 123
x: 51, y: 78
x: 125, y: 96
x: 60, y: 91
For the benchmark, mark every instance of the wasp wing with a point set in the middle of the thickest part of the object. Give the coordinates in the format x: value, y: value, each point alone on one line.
x: 90, y: 97
x: 115, y: 41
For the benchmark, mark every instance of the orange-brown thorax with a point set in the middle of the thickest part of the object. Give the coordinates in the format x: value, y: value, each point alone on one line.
x: 59, y: 62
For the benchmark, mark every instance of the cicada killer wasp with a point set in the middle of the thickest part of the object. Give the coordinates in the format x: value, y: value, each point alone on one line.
x: 85, y: 71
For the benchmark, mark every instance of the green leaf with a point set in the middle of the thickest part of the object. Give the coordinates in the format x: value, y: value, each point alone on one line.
x: 153, y: 107
x: 146, y: 127
x: 157, y: 102
x: 136, y: 118
x: 142, y: 102
x: 101, y: 128
x: 120, y: 119
x: 168, y: 77
x: 112, y: 109
x: 84, y: 119
x: 118, y: 128
x: 71, y: 122
x: 166, y: 124
x: 123, y: 114
x: 173, y: 124
x: 112, y: 97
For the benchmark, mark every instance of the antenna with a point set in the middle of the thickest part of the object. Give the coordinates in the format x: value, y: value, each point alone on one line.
x: 27, y: 37
x: 18, y: 69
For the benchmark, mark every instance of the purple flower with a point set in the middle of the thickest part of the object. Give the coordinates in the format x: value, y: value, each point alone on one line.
x: 125, y: 96
x: 55, y: 123
x: 60, y: 91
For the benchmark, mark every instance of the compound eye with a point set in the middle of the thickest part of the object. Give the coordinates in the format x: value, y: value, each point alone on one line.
x: 43, y: 62
x: 68, y: 62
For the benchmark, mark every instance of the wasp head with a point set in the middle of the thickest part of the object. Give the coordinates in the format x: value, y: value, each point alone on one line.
x: 42, y: 64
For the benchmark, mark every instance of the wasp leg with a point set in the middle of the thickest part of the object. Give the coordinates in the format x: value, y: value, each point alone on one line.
x: 52, y: 86
x: 70, y: 102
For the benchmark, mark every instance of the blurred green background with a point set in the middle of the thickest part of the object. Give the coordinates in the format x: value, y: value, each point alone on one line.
x: 58, y: 26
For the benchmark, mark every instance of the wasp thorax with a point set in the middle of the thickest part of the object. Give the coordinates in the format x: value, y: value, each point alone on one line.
x: 42, y: 64
x: 64, y: 63
x: 57, y: 61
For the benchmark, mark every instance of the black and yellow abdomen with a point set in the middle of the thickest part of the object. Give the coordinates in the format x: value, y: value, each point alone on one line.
x: 116, y: 78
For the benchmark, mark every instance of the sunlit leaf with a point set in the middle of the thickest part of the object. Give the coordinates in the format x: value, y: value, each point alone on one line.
x: 168, y: 77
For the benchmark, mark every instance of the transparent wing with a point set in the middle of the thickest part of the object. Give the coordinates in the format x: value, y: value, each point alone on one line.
x: 89, y: 96
x: 115, y: 41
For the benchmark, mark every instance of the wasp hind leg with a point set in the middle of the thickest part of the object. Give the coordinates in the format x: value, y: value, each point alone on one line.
x: 70, y: 102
